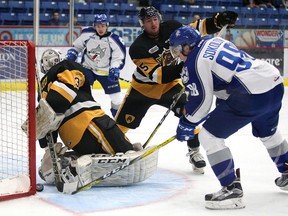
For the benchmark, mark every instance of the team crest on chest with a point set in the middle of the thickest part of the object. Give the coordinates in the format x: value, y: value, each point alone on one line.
x: 129, y: 118
x: 96, y: 53
x: 165, y: 58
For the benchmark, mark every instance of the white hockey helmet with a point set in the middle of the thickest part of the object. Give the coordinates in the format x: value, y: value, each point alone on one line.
x: 49, y: 58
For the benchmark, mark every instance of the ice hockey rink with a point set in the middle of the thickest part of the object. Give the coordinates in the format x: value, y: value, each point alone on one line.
x: 174, y: 189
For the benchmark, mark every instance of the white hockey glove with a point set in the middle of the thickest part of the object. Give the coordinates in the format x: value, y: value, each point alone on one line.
x: 46, y: 120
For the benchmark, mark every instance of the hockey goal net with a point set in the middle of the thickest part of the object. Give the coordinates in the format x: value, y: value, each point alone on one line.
x: 17, y: 103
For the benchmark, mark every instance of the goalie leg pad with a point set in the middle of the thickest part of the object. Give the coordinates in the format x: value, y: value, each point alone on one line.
x: 46, y: 169
x: 83, y: 168
x: 134, y: 173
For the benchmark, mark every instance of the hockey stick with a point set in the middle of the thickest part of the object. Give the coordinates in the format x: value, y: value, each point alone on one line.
x: 123, y: 166
x: 56, y: 166
x: 221, y: 32
x: 164, y: 117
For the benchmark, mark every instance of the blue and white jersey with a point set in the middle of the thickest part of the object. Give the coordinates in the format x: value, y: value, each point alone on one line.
x: 217, y: 67
x: 100, y: 53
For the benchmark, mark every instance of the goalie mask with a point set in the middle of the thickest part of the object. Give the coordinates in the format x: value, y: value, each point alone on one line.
x: 183, y: 36
x: 49, y: 58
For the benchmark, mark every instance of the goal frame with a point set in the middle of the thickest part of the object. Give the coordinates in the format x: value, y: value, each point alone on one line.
x: 31, y: 97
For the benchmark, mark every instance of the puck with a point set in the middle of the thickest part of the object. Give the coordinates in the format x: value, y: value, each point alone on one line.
x: 39, y: 187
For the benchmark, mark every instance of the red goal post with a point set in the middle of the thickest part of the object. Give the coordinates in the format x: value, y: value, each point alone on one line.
x: 17, y: 103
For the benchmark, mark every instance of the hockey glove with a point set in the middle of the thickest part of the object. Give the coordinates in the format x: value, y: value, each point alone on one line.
x: 226, y: 17
x: 185, y: 130
x: 114, y: 74
x: 71, y: 55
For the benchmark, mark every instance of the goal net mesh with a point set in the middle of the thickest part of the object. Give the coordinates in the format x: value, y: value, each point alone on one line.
x: 17, y: 103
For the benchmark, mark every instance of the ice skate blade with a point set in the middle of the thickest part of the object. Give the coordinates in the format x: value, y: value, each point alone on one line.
x: 198, y: 170
x: 235, y: 203
x: 285, y: 188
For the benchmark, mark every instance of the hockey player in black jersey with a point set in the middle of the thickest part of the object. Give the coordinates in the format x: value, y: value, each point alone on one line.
x: 156, y: 79
x: 85, y: 130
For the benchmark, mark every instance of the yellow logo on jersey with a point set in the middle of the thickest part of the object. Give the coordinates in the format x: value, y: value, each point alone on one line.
x: 129, y: 118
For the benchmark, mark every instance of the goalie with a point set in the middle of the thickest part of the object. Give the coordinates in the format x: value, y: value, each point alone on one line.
x: 97, y: 145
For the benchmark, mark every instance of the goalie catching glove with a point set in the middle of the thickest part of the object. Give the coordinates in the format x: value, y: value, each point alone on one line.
x: 225, y: 18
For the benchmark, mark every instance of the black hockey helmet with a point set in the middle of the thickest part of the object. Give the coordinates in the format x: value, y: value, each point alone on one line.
x: 147, y: 12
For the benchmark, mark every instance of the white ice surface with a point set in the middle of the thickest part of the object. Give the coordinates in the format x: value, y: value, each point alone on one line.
x: 174, y: 189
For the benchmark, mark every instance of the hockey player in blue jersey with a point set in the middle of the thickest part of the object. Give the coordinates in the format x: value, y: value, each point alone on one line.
x: 104, y: 56
x: 248, y: 90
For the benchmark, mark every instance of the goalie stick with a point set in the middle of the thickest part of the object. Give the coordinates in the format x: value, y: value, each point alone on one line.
x: 56, y: 166
x: 123, y: 166
x: 164, y: 117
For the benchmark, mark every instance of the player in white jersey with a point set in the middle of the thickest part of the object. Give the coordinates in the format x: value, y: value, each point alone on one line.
x: 248, y: 90
x: 103, y: 54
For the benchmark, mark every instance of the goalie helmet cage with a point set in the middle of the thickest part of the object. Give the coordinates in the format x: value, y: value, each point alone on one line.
x: 17, y: 103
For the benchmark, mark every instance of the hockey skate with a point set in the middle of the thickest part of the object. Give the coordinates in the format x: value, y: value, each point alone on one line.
x: 197, y: 160
x: 229, y: 197
x: 282, y: 182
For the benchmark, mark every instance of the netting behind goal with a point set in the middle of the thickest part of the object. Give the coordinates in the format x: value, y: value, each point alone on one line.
x: 17, y: 103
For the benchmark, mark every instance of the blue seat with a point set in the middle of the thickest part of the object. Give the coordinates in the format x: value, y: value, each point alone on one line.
x: 200, y: 2
x: 248, y: 22
x: 98, y: 8
x: 182, y: 10
x: 283, y: 12
x: 113, y: 8
x: 17, y: 7
x: 260, y: 12
x: 89, y: 19
x: 25, y: 18
x: 9, y: 19
x: 283, y: 23
x: 208, y: 11
x: 64, y: 7
x: 273, y: 13
x: 135, y: 20
x: 45, y: 18
x: 166, y: 9
x: 273, y: 23
x: 239, y: 22
x: 48, y: 7
x: 247, y: 12
x: 182, y: 19
x: 113, y: 20
x: 128, y: 9
x: 230, y: 3
x: 82, y: 20
x: 82, y: 8
x: 125, y: 20
x: 30, y: 6
x: 261, y: 23
x: 220, y: 8
x: 4, y: 8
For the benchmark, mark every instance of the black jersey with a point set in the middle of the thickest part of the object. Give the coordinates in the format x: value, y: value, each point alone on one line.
x: 157, y: 71
x: 67, y: 91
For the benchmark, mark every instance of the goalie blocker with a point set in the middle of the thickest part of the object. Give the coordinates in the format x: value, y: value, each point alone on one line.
x: 46, y: 120
x: 79, y: 171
